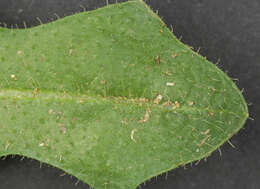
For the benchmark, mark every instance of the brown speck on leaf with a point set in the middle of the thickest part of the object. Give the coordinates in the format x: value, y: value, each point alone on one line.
x: 174, y: 55
x: 70, y: 52
x: 132, y: 100
x: 132, y: 134
x: 81, y: 101
x: 180, y: 137
x: 176, y: 105
x: 35, y: 91
x: 103, y: 82
x: 19, y: 52
x: 157, y: 59
x: 63, y: 128
x: 143, y: 100
x: 167, y: 73
x: 51, y: 111
x: 158, y: 99
x: 146, y: 116
x: 124, y: 121
x: 161, y: 30
x: 190, y: 103
x: 211, y: 113
x: 168, y: 103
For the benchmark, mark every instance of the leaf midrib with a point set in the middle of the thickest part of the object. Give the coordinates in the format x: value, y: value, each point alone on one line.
x: 50, y: 95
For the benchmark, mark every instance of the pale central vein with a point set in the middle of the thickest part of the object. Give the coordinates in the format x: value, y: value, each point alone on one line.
x: 48, y: 95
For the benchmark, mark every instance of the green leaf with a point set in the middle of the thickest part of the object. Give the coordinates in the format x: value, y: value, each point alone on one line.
x: 112, y: 97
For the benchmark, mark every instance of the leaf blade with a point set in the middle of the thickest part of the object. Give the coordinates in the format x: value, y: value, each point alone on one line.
x: 94, y: 85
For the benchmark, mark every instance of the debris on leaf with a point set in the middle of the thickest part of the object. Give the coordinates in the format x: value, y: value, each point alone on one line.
x: 170, y: 84
x: 190, y: 103
x: 146, y: 116
x: 35, y: 91
x: 206, y: 132
x: 168, y: 103
x: 174, y: 55
x: 157, y: 59
x: 132, y: 134
x: 211, y: 113
x: 81, y: 101
x: 143, y: 100
x: 13, y: 77
x: 158, y: 99
x: 103, y: 82
x: 70, y: 52
x: 51, y: 111
x: 176, y: 105
x: 19, y: 52
x: 167, y: 73
x: 124, y: 121
x: 42, y: 144
x: 63, y: 128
